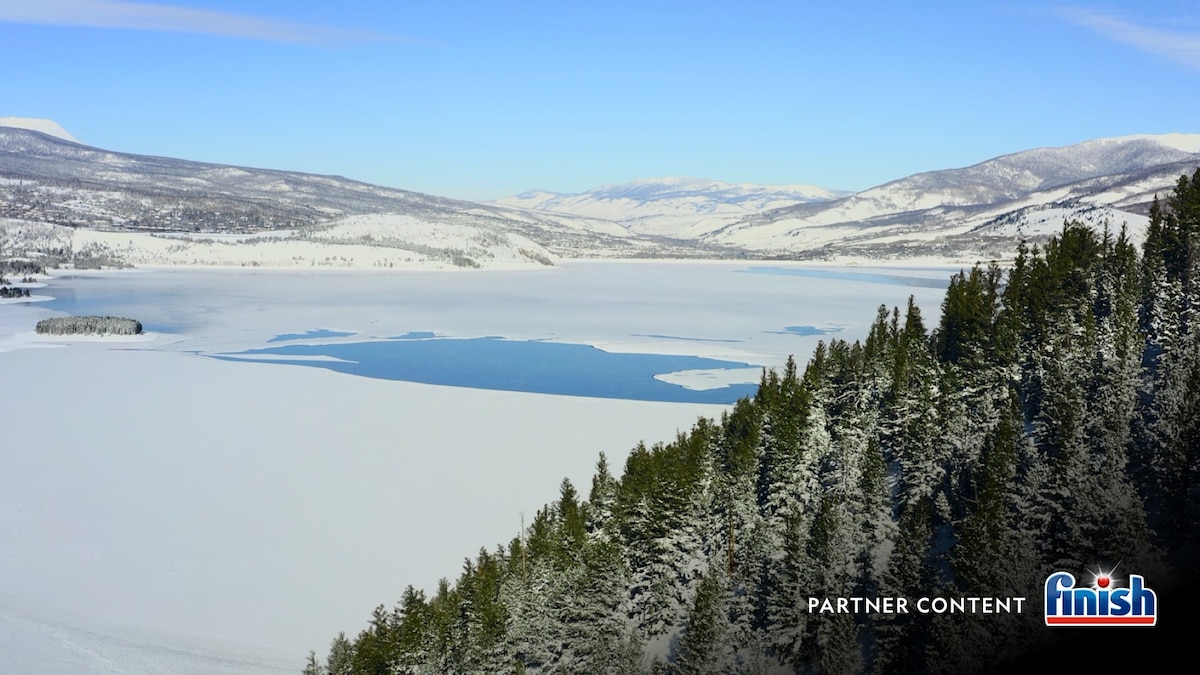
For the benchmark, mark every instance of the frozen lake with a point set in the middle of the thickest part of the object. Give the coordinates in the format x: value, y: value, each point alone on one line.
x: 171, y: 485
x: 707, y: 322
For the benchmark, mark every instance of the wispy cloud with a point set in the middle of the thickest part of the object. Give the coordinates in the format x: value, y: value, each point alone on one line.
x: 172, y: 18
x: 1180, y: 47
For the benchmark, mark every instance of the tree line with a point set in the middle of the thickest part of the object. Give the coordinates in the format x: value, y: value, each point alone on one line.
x: 1050, y: 420
x: 88, y: 325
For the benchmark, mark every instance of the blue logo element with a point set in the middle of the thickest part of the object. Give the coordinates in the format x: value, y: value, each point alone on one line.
x: 1104, y: 604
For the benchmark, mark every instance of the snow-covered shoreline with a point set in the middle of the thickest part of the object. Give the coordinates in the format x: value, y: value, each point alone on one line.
x: 28, y: 298
x: 911, y: 266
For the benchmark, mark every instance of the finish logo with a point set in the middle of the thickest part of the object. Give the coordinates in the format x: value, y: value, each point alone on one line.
x: 1103, y: 604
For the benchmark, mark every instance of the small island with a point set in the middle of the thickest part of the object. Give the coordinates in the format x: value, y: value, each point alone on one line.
x: 88, y: 325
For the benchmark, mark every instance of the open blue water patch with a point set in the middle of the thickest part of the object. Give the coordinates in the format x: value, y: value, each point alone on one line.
x: 806, y: 330
x: 415, y: 335
x: 312, y: 334
x: 511, y: 365
x: 685, y: 339
x: 869, y: 277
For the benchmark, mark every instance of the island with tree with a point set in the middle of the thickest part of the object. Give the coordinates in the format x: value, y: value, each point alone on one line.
x: 88, y: 325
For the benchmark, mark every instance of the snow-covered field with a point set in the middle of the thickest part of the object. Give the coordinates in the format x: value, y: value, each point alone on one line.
x: 161, y: 511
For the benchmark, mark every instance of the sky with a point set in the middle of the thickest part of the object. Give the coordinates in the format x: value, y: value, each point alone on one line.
x: 478, y: 100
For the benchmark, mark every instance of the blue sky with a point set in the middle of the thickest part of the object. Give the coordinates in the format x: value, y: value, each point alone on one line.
x: 482, y: 99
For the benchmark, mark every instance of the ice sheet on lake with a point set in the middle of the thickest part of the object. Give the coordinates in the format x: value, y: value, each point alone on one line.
x: 279, y: 505
x: 704, y: 380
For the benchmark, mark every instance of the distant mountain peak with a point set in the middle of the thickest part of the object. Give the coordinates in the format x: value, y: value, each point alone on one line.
x: 687, y: 183
x: 670, y: 181
x: 533, y: 194
x: 1178, y: 141
x: 675, y: 206
x: 49, y: 127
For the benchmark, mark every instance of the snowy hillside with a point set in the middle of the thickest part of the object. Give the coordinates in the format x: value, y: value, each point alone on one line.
x: 114, y: 201
x: 46, y: 179
x: 381, y: 241
x: 959, y: 209
x: 672, y: 207
x: 462, y: 245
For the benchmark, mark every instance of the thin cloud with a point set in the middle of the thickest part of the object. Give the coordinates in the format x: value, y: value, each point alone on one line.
x: 1183, y: 48
x: 174, y: 19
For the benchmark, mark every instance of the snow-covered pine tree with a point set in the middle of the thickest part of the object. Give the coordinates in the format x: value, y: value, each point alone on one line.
x: 705, y: 646
x: 903, y: 640
x: 1168, y: 437
x: 995, y: 557
x: 341, y: 656
x: 601, y: 503
x: 833, y: 645
x: 313, y: 666
x: 912, y: 429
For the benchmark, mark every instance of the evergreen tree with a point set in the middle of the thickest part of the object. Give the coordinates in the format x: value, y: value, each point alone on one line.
x: 377, y: 647
x: 341, y: 656
x: 601, y: 502
x: 704, y: 645
x: 833, y: 646
x: 903, y: 639
x: 312, y: 666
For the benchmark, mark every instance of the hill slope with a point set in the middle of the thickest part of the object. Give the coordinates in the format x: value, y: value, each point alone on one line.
x: 983, y: 207
x: 972, y: 213
x: 673, y: 207
x: 47, y: 179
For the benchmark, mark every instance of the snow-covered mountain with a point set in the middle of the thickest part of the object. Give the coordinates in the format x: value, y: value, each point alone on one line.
x: 49, y: 127
x: 45, y: 178
x: 983, y: 209
x: 972, y: 213
x: 684, y: 208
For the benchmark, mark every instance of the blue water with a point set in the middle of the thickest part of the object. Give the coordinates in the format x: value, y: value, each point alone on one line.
x: 312, y: 334
x: 513, y: 365
x: 869, y: 277
x: 806, y: 331
x: 415, y: 335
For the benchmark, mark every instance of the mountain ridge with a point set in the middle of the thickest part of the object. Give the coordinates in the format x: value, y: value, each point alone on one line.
x: 679, y: 207
x: 47, y: 179
x: 1120, y: 174
x: 976, y: 212
x: 933, y: 212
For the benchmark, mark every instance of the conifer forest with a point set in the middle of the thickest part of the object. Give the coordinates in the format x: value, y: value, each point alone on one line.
x: 1049, y: 420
